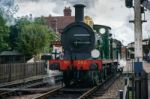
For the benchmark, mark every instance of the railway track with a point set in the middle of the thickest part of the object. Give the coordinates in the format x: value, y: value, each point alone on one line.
x: 78, y: 93
x: 22, y: 82
x: 61, y: 92
x: 6, y: 91
x: 3, y: 93
x: 100, y: 89
x: 32, y: 87
x: 28, y: 93
x: 110, y: 90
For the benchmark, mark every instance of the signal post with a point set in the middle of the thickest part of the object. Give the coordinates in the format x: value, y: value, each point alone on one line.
x: 138, y: 62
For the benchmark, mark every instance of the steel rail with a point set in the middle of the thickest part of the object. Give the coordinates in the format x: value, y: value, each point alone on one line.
x: 86, y: 94
x: 3, y: 93
x: 91, y: 91
x: 47, y: 94
x: 13, y: 90
x: 27, y: 88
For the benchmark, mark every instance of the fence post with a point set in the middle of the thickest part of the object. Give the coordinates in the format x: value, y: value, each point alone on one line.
x: 120, y: 94
x: 36, y: 69
x: 24, y: 67
x: 9, y: 66
x: 127, y: 94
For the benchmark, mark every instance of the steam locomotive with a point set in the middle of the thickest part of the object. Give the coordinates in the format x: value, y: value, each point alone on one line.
x: 87, y: 58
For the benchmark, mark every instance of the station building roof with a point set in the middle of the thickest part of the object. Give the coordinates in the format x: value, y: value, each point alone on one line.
x: 10, y: 53
x: 58, y: 23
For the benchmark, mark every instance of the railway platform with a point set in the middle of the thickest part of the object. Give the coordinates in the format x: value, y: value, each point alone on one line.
x: 129, y: 67
x: 145, y: 77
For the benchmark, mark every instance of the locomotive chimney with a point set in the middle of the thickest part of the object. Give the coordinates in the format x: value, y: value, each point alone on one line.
x: 79, y: 12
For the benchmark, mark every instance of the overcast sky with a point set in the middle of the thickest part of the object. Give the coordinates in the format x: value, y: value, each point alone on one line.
x: 105, y: 12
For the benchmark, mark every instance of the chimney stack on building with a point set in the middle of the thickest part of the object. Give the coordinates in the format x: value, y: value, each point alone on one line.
x: 67, y: 11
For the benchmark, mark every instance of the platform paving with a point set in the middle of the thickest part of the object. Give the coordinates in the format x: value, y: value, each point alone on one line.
x: 129, y: 68
x: 146, y: 67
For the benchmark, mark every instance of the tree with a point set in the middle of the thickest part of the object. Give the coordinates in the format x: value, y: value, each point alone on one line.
x: 4, y: 35
x: 34, y: 38
x: 15, y: 30
x: 13, y: 37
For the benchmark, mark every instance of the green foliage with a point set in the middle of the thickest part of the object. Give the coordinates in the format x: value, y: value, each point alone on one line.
x: 15, y: 30
x: 21, y: 22
x: 40, y: 20
x: 34, y: 38
x: 4, y: 35
x: 13, y: 37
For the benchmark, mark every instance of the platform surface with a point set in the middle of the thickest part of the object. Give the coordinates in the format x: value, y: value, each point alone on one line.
x: 129, y: 68
x: 146, y: 67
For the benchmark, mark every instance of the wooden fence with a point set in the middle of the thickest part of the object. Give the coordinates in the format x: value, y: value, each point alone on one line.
x: 11, y: 72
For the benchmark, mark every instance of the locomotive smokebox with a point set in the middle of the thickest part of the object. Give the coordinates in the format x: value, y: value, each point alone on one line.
x: 79, y: 12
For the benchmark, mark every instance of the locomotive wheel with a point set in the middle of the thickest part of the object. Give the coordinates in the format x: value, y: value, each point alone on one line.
x: 66, y: 78
x: 95, y: 78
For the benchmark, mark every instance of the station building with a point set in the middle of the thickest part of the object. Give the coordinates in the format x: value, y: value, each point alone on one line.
x: 58, y: 23
x: 146, y: 49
